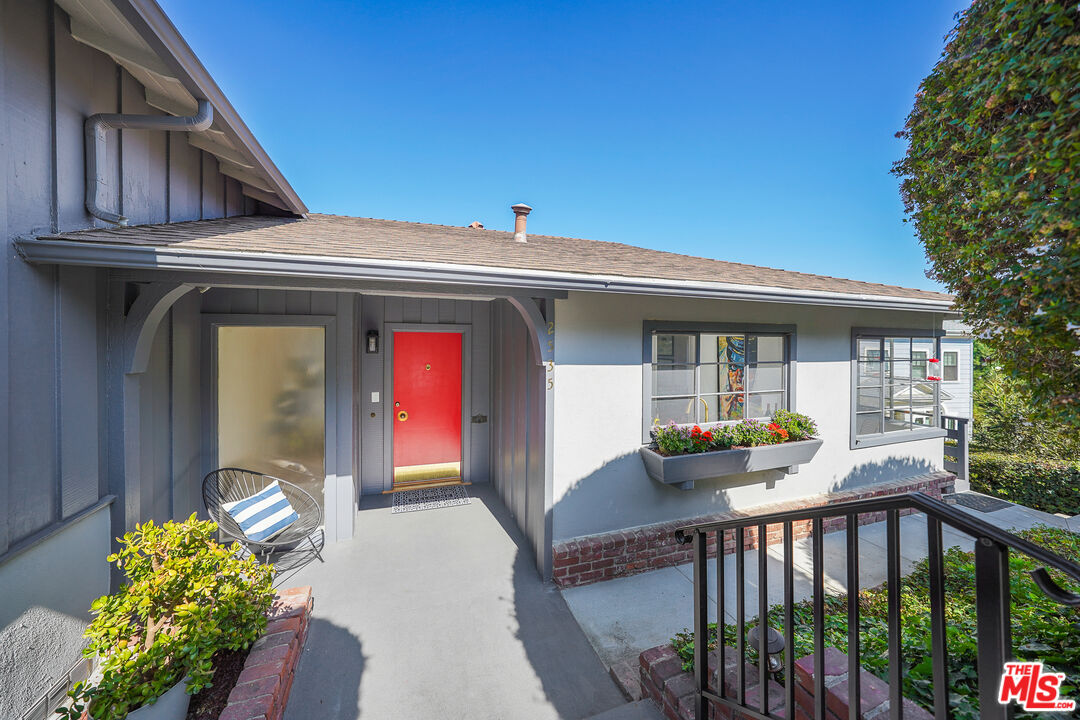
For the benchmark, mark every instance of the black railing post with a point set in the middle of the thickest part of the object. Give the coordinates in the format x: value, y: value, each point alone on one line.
x: 939, y: 652
x: 701, y: 623
x: 896, y: 648
x: 817, y: 543
x: 854, y: 679
x: 992, y: 624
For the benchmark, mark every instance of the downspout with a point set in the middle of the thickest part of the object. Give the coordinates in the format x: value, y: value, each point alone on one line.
x: 94, y: 130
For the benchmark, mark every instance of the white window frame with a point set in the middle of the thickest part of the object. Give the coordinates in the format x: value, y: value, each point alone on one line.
x: 650, y: 328
x: 895, y: 436
x: 955, y: 365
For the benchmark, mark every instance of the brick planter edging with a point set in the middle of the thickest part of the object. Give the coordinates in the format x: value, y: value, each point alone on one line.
x: 605, y: 556
x: 673, y: 689
x: 262, y: 690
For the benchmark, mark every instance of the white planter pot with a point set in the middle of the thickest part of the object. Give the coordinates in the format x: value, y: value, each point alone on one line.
x: 173, y: 705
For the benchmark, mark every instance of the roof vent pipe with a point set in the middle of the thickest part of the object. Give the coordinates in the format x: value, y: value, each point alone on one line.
x: 521, y: 210
x: 94, y: 130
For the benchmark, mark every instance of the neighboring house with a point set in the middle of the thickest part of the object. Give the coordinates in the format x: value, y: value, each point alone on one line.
x: 225, y: 325
x: 957, y: 370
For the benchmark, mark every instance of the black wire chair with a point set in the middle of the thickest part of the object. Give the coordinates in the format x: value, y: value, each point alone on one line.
x: 231, y: 484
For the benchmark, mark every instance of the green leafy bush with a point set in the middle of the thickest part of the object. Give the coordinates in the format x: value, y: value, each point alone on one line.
x: 1008, y: 420
x: 187, y: 598
x: 798, y: 427
x: 991, y: 179
x: 1041, y: 629
x: 1052, y: 486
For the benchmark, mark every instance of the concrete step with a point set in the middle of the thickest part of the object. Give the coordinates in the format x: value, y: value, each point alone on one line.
x: 640, y: 710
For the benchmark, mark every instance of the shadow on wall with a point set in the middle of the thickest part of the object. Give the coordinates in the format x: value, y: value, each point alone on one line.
x: 879, y: 471
x: 620, y: 495
x: 328, y: 645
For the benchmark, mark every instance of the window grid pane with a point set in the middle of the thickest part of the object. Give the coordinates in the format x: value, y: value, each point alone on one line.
x: 893, y: 367
x: 723, y: 386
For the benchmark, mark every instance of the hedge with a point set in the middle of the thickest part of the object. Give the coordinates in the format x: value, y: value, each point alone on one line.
x: 1052, y: 486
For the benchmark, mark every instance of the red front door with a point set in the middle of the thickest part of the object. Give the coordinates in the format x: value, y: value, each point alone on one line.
x: 427, y: 407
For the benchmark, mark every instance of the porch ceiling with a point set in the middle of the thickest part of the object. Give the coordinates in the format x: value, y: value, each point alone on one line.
x: 364, y: 248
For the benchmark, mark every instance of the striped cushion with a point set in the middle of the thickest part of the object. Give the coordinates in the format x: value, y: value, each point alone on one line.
x: 264, y: 514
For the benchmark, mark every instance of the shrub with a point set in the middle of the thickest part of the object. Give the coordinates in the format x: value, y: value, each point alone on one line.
x: 187, y: 598
x: 1041, y: 628
x: 1052, y: 486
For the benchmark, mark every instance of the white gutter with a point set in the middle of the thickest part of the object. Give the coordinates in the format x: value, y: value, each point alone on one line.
x: 98, y: 254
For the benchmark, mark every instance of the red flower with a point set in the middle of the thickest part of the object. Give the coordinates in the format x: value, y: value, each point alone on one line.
x: 778, y: 431
x: 707, y: 435
x: 695, y: 432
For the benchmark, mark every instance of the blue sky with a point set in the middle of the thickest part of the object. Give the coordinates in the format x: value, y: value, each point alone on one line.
x: 756, y: 132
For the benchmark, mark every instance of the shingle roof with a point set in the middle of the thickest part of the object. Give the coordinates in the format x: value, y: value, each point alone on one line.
x: 372, y: 239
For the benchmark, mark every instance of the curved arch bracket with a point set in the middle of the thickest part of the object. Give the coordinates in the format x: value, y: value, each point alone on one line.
x: 142, y: 320
x: 541, y: 328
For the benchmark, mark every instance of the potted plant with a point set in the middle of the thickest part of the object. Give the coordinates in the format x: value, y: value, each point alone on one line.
x: 187, y: 597
x: 680, y: 455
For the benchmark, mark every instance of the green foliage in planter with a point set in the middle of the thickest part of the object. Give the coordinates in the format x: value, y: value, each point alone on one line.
x: 991, y: 180
x: 798, y: 427
x: 1041, y: 629
x: 785, y: 426
x: 187, y: 598
x: 1052, y: 486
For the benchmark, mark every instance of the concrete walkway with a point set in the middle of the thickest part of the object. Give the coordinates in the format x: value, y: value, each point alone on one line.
x: 626, y: 616
x: 441, y: 614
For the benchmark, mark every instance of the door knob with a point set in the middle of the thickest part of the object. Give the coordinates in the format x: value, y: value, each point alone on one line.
x: 402, y: 416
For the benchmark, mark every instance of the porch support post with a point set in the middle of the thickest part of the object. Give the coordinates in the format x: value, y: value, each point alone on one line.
x: 130, y: 337
x: 539, y: 317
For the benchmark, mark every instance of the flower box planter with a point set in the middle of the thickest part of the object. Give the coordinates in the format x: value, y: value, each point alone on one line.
x: 683, y: 470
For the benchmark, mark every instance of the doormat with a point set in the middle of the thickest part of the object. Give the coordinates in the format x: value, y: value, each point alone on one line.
x: 430, y: 498
x: 977, y: 501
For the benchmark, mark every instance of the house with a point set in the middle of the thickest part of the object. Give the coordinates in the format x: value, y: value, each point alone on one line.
x: 170, y: 306
x: 957, y: 370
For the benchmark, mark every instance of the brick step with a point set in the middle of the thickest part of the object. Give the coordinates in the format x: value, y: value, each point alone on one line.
x: 663, y: 681
x: 873, y: 691
x: 673, y: 689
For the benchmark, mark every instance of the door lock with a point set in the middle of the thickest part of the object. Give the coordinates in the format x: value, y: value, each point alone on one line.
x: 402, y: 416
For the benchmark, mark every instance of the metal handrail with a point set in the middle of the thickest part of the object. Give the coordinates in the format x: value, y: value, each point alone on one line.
x: 991, y: 594
x: 948, y: 514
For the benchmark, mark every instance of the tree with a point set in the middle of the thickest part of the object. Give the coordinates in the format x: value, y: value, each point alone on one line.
x: 1006, y: 419
x: 991, y: 180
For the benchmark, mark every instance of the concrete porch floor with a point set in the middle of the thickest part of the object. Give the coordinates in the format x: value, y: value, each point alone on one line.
x: 626, y: 616
x: 441, y: 613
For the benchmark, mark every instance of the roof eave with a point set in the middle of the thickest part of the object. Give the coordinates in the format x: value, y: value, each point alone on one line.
x: 151, y: 22
x: 97, y: 254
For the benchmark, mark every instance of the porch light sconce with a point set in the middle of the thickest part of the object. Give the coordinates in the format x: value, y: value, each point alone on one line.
x: 372, y: 341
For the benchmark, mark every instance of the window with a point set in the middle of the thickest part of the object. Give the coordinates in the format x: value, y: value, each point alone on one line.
x: 706, y: 375
x: 891, y: 397
x: 950, y: 367
x: 918, y: 364
x: 271, y: 402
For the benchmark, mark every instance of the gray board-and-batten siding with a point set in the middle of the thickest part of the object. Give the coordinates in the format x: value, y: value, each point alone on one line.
x: 54, y: 421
